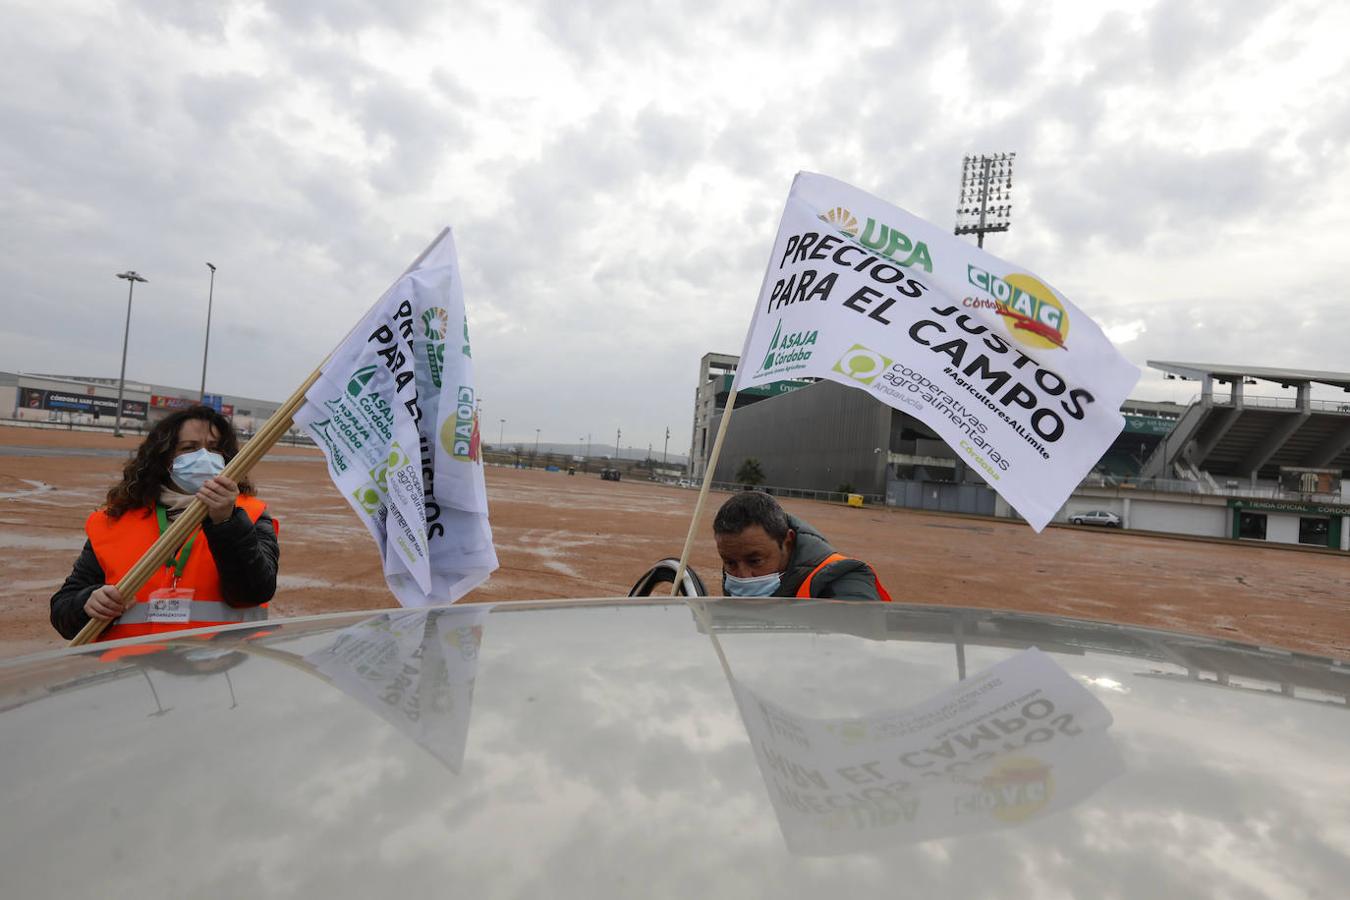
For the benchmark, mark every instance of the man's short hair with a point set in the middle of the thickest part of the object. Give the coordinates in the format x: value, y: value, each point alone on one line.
x: 752, y: 508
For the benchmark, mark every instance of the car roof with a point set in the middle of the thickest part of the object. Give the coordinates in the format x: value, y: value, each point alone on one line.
x: 626, y: 747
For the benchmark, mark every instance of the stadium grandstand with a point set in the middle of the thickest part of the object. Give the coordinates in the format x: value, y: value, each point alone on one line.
x: 1235, y: 463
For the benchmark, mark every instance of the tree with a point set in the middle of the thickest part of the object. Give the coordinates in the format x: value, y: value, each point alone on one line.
x: 750, y: 473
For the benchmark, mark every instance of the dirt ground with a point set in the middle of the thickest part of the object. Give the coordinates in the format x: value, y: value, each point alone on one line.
x: 560, y: 536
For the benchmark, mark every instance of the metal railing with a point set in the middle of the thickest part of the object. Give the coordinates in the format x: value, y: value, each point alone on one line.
x: 1336, y: 406
x: 791, y: 493
x: 1221, y: 489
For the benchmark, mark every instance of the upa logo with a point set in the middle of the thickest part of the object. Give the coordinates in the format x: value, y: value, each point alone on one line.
x: 459, y: 435
x: 862, y: 365
x: 787, y: 348
x: 435, y: 323
x: 885, y: 240
x: 843, y: 220
x: 1035, y: 316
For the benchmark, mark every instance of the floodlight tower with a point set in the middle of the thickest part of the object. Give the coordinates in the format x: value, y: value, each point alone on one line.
x: 986, y: 195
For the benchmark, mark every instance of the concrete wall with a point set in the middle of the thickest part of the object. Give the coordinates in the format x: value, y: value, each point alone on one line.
x: 815, y: 438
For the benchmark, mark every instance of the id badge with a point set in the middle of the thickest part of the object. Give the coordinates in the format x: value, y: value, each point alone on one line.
x: 171, y: 605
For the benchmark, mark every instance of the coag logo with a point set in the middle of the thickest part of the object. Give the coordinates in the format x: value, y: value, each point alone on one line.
x: 1017, y: 789
x: 459, y: 435
x: 435, y: 323
x: 886, y: 240
x: 1034, y: 314
x: 862, y: 365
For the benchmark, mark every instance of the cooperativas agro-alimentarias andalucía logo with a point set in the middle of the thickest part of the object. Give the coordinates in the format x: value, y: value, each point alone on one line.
x: 862, y: 364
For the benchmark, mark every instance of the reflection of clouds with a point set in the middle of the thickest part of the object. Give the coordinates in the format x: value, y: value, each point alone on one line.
x: 629, y: 773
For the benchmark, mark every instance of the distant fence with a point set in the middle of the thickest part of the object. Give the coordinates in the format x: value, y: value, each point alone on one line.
x: 790, y: 493
x: 293, y: 438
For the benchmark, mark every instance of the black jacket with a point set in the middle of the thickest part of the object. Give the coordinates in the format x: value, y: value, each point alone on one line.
x: 847, y: 579
x: 245, y: 552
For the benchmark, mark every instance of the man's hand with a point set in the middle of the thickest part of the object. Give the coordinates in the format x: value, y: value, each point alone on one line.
x: 219, y: 494
x: 104, y: 603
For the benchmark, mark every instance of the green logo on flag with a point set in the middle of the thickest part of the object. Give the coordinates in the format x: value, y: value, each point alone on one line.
x: 368, y: 498
x: 435, y: 323
x: 466, y: 337
x: 787, y: 349
x: 360, y: 378
x: 861, y: 364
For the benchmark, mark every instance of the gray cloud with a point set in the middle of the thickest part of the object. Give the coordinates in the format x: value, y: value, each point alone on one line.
x: 615, y: 215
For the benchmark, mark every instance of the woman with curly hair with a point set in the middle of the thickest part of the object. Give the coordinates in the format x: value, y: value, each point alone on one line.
x: 225, y: 572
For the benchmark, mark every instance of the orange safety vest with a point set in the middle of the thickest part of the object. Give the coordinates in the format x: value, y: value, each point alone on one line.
x: 120, y: 543
x: 804, y: 592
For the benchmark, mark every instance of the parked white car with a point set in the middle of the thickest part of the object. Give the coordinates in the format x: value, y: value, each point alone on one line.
x: 1096, y: 517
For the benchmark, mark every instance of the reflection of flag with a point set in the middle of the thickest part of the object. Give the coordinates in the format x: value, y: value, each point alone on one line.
x: 395, y: 414
x: 1019, y: 382
x: 1015, y: 742
x: 415, y: 669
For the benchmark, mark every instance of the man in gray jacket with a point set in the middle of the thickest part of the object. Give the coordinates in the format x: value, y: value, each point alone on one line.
x: 768, y: 553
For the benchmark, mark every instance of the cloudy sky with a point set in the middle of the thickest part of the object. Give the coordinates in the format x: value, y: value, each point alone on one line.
x: 614, y: 173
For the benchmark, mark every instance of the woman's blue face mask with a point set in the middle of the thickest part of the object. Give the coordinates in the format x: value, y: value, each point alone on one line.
x: 192, y: 470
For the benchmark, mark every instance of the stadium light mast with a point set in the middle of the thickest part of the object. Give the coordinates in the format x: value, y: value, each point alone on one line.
x: 501, y: 434
x: 985, y: 203
x: 131, y: 277
x: 617, y: 433
x: 206, y: 347
x: 665, y: 451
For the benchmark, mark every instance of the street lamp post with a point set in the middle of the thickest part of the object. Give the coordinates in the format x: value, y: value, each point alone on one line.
x: 534, y: 461
x: 501, y: 433
x: 665, y: 451
x: 206, y: 347
x: 618, y: 432
x: 131, y: 277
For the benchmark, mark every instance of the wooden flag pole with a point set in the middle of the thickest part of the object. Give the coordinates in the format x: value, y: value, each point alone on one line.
x: 703, y: 492
x: 176, y: 534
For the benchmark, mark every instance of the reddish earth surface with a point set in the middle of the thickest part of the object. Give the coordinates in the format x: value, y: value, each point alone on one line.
x: 560, y: 536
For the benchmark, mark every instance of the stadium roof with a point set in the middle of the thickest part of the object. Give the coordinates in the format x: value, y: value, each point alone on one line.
x: 1286, y: 377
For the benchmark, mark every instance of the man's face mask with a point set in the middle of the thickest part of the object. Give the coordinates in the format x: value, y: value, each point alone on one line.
x: 192, y: 470
x: 758, y: 586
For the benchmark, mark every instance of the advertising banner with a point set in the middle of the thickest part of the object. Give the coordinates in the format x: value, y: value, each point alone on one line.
x: 1015, y: 378
x: 62, y: 401
x: 395, y: 413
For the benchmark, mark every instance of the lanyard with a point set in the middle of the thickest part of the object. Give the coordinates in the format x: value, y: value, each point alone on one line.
x: 179, y: 563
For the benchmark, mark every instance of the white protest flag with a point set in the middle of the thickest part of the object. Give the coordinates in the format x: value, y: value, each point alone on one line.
x: 1014, y: 377
x: 395, y: 414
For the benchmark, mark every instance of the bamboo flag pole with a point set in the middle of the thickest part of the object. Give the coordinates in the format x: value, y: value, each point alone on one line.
x: 266, y: 437
x: 703, y: 491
